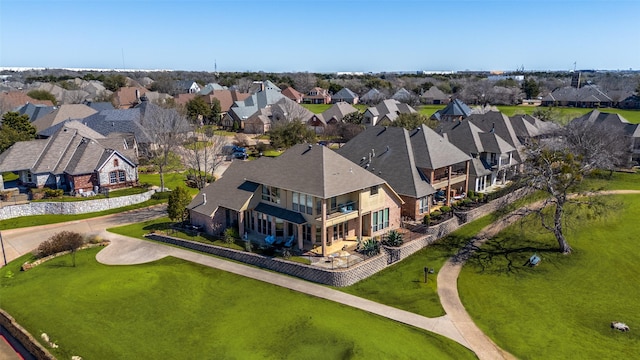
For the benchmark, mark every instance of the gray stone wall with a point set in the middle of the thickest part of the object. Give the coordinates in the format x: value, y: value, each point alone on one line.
x: 72, y: 208
x: 23, y: 336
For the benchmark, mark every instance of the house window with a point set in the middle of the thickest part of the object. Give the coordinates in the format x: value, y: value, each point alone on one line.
x: 306, y: 232
x: 122, y: 177
x: 115, y: 163
x: 271, y: 194
x: 374, y: 190
x: 113, y: 177
x: 424, y: 205
x: 380, y: 220
x: 303, y: 203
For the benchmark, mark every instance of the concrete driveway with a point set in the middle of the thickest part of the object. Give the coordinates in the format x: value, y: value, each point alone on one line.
x: 18, y: 242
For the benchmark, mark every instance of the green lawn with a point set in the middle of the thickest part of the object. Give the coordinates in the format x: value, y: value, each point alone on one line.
x: 173, y: 309
x: 317, y: 108
x: 562, y: 308
x: 566, y: 114
x: 171, y: 181
x: 619, y: 181
x: 163, y: 224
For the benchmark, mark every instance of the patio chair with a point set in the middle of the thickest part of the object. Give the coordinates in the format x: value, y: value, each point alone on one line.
x: 289, y: 241
x: 270, y: 239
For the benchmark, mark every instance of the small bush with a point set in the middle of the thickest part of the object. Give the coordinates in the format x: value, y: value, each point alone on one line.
x: 37, y: 194
x: 426, y: 220
x: 445, y: 209
x: 164, y: 195
x: 393, y: 238
x: 230, y: 235
x: 62, y: 241
x: 471, y: 193
x: 53, y: 193
x: 435, y: 214
x: 466, y: 201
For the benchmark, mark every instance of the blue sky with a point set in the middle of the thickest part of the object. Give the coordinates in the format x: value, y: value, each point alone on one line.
x: 321, y: 36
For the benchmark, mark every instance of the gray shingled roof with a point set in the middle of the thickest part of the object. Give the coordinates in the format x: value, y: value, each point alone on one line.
x: 315, y: 170
x: 388, y: 152
x: 337, y: 111
x: 35, y: 111
x: 432, y: 151
x: 66, y: 151
x: 344, y: 94
x: 454, y: 109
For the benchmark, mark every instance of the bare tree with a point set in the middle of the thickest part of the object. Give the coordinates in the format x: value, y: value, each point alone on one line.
x: 167, y: 129
x: 304, y: 82
x: 203, y: 157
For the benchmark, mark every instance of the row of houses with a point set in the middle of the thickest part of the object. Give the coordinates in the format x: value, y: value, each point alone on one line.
x: 591, y: 96
x: 318, y: 196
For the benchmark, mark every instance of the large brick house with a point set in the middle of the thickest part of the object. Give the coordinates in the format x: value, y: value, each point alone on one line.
x: 309, y: 194
x: 75, y: 159
x: 417, y: 163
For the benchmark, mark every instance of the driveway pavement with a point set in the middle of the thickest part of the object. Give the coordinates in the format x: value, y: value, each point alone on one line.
x: 18, y: 242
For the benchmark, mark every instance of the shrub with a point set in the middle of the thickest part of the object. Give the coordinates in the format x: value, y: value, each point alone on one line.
x: 445, y: 209
x: 230, y: 235
x: 62, y: 241
x: 36, y: 193
x: 426, y: 220
x: 435, y: 214
x: 393, y: 238
x: 369, y: 247
x: 52, y: 193
x: 164, y: 195
x: 466, y: 201
x: 471, y: 193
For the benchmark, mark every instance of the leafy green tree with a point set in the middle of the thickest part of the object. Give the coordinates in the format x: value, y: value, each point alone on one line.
x: 197, y: 110
x: 216, y: 110
x: 334, y: 88
x: 286, y: 134
x: 15, y: 127
x: 413, y: 120
x: 179, y: 198
x: 530, y: 88
x: 42, y: 95
x: 114, y: 82
x: 355, y: 118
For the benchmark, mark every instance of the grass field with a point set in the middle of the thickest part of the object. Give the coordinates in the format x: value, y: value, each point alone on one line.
x: 562, y: 308
x: 171, y: 181
x: 566, y: 114
x: 172, y: 309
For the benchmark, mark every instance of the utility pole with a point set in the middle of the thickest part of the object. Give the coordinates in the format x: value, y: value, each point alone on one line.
x: 4, y: 254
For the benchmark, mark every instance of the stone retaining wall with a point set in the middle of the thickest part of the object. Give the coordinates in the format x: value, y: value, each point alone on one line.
x: 29, y: 342
x: 354, y: 273
x: 339, y: 277
x: 73, y: 207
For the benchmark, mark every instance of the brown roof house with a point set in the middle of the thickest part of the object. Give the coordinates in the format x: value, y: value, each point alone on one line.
x: 309, y: 197
x: 317, y: 95
x: 293, y: 94
x: 72, y: 161
x: 331, y: 116
x: 386, y: 112
x: 419, y: 164
x: 12, y: 100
